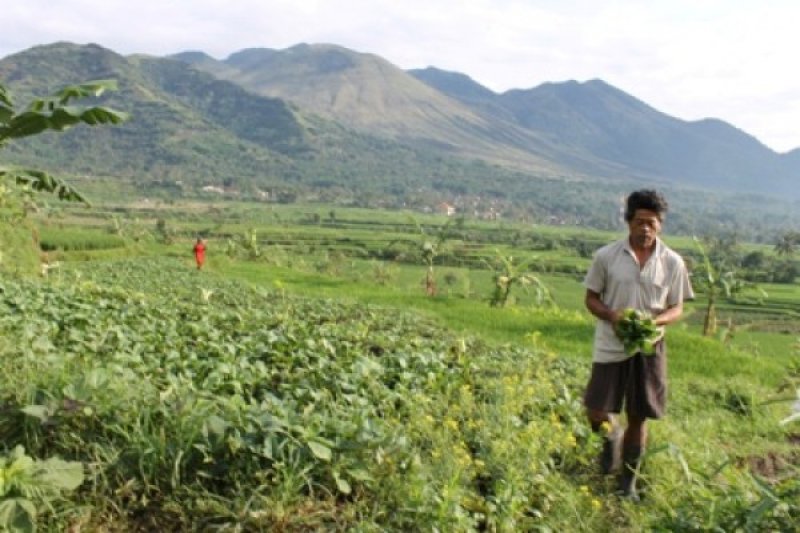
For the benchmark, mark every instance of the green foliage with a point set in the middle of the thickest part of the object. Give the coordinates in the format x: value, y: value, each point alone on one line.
x: 787, y: 243
x: 18, y: 186
x: 53, y: 113
x: 637, y: 331
x: 245, y: 245
x: 18, y: 251
x: 199, y: 401
x: 27, y: 484
x: 197, y: 392
x: 718, y: 278
x: 52, y: 239
x: 507, y: 274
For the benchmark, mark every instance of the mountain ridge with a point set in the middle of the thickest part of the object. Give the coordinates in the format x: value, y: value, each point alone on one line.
x: 559, y: 128
x: 191, y: 122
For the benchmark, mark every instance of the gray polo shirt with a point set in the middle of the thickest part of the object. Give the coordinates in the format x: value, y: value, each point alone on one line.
x: 615, y: 274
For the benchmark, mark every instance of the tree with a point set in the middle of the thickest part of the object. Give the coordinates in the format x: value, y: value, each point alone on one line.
x: 507, y: 274
x: 430, y: 248
x: 754, y: 260
x: 787, y: 243
x: 718, y: 279
x: 53, y: 113
x: 19, y: 186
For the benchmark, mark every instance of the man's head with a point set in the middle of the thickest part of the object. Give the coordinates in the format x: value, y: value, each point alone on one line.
x: 644, y: 213
x: 646, y: 199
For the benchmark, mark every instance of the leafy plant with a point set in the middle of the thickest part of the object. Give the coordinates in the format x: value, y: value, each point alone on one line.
x: 718, y: 280
x: 507, y: 274
x: 27, y: 484
x: 246, y: 245
x: 430, y: 246
x: 637, y: 331
x: 52, y: 113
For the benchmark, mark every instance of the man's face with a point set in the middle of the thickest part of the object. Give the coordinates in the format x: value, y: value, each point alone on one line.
x: 644, y: 227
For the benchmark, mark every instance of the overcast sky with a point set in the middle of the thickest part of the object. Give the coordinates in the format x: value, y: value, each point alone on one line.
x: 730, y: 59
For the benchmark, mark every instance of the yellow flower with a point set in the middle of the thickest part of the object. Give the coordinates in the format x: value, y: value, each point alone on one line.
x: 596, y: 504
x: 584, y: 489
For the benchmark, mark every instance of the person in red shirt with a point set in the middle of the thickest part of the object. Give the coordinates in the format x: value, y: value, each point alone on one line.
x: 200, y: 253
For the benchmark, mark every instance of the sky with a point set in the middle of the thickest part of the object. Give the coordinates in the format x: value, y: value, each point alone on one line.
x: 735, y: 60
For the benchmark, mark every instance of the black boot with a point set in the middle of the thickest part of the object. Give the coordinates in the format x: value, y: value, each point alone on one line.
x: 609, y: 456
x: 631, y: 465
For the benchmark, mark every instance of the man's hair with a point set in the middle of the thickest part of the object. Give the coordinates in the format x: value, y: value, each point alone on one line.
x: 646, y: 199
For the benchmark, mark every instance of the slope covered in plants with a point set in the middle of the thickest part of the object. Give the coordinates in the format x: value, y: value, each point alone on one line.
x: 195, y: 402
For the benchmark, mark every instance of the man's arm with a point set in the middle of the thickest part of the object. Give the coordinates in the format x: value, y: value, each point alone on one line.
x: 669, y: 315
x: 596, y: 306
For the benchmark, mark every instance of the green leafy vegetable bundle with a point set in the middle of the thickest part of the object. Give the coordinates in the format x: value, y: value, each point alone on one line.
x: 637, y: 331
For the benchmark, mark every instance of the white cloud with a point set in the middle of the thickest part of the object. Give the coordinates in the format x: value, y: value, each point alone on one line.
x: 730, y: 59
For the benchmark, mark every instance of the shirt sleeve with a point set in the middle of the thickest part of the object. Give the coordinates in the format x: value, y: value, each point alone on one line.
x: 595, y: 279
x: 680, y: 288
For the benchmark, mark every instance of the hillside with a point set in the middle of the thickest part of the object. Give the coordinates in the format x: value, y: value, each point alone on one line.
x: 366, y: 92
x: 190, y: 129
x: 186, y: 126
x: 559, y: 152
x: 597, y: 118
x: 569, y: 128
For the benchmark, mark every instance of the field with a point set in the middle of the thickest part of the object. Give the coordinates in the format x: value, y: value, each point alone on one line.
x: 304, y: 380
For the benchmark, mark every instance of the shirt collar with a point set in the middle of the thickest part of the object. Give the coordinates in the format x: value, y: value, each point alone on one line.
x: 659, y: 249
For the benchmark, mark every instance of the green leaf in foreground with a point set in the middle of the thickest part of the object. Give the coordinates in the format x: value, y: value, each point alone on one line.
x: 320, y: 451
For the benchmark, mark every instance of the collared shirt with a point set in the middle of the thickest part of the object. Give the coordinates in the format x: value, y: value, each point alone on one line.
x: 621, y: 282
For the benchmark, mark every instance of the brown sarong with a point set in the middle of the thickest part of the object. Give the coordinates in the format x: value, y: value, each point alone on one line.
x: 641, y: 381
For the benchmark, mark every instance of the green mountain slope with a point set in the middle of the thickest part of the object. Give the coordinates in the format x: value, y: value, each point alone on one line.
x: 366, y: 92
x: 190, y: 129
x: 598, y: 119
x: 561, y: 151
x: 176, y: 131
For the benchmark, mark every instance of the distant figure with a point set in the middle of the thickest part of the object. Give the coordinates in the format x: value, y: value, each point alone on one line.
x: 200, y: 253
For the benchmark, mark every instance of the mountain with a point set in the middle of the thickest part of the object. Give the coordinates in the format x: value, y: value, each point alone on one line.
x: 190, y: 129
x: 332, y: 124
x: 367, y: 93
x: 567, y: 129
x: 602, y: 120
x: 462, y: 88
x: 185, y: 124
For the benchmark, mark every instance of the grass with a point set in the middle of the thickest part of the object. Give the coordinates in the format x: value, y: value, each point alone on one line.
x: 719, y: 411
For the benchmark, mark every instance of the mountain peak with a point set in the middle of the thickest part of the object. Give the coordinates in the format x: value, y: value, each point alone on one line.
x: 192, y: 57
x: 455, y: 84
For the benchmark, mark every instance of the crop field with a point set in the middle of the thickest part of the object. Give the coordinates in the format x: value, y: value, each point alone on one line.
x: 304, y: 380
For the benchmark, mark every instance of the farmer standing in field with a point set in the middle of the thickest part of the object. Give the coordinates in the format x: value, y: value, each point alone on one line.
x: 642, y: 273
x: 200, y: 253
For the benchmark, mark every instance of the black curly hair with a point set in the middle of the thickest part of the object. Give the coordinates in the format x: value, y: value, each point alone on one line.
x: 645, y: 199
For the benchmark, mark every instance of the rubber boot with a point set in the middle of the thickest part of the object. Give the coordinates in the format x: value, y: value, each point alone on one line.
x: 610, y: 455
x: 631, y: 464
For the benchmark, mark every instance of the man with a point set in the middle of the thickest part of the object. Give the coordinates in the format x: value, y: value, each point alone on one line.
x: 642, y: 273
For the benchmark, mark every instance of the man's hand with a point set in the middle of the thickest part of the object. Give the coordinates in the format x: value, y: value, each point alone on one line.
x: 596, y: 306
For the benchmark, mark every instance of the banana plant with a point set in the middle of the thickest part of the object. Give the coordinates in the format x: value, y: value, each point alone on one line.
x: 507, y: 274
x: 430, y: 248
x: 53, y: 113
x: 716, y: 281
